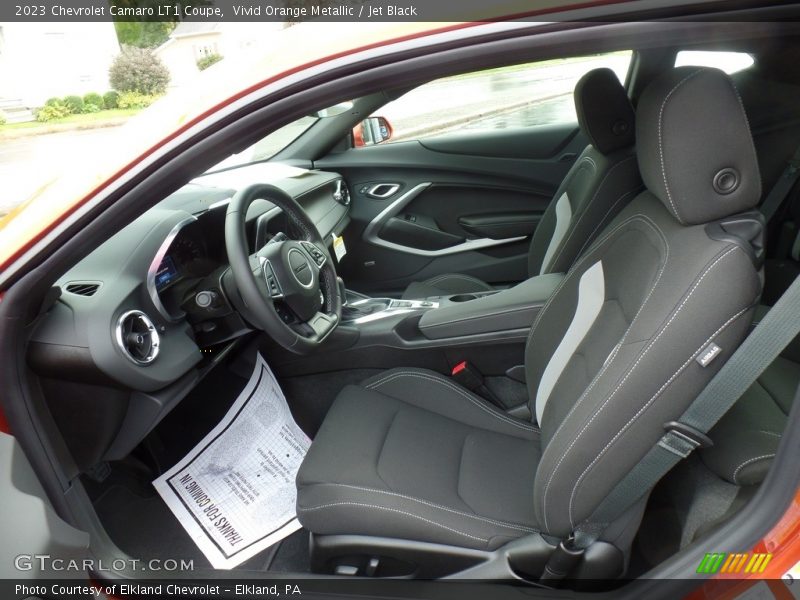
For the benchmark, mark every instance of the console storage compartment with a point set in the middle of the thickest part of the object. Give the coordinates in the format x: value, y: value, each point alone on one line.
x: 514, y: 308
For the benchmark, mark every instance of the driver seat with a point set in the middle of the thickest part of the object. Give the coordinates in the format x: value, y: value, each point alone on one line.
x: 413, y: 474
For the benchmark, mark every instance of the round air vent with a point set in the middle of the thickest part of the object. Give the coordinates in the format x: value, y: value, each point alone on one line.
x: 137, y: 337
x: 341, y: 194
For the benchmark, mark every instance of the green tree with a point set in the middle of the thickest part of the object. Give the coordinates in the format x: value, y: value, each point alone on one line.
x: 143, y: 34
x: 138, y: 70
x: 149, y: 32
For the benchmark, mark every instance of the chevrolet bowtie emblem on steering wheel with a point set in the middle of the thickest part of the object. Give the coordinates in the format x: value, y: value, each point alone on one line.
x: 300, y: 267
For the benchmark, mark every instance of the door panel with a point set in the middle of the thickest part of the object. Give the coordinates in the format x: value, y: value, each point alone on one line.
x: 465, y: 203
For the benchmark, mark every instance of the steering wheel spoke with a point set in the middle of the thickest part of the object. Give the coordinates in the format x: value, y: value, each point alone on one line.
x: 284, y: 275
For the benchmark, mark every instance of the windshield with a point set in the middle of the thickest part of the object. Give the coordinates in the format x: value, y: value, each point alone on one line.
x: 268, y: 146
x: 56, y: 158
x: 272, y: 144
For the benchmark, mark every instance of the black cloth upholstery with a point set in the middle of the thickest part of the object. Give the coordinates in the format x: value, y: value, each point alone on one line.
x: 603, y: 179
x: 446, y: 285
x: 610, y: 358
x: 605, y: 113
x: 453, y: 471
x: 746, y: 439
x: 675, y: 130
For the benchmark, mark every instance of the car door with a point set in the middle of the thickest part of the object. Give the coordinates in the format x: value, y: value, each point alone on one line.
x: 470, y: 165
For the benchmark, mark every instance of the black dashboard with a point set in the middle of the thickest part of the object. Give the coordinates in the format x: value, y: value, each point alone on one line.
x: 131, y: 315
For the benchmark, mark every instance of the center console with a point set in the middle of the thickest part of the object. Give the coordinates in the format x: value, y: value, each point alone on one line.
x: 363, y: 309
x: 488, y: 329
x: 459, y: 315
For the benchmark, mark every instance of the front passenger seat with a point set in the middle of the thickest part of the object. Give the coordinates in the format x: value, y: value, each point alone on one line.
x: 411, y: 466
x: 602, y: 180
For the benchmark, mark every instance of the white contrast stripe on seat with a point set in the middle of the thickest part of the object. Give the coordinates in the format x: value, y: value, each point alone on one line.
x: 591, y: 295
x: 563, y: 218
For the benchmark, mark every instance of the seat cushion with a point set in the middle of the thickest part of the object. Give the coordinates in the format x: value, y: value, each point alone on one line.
x: 412, y: 455
x: 445, y: 285
x: 747, y: 437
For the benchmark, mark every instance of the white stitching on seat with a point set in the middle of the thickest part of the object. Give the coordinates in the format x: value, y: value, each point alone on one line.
x: 421, y: 375
x: 602, y: 222
x: 747, y: 462
x: 574, y: 225
x: 628, y: 373
x: 647, y: 405
x: 394, y: 510
x: 596, y: 246
x: 619, y: 345
x: 772, y: 433
x: 747, y: 122
x: 438, y: 506
x: 661, y: 146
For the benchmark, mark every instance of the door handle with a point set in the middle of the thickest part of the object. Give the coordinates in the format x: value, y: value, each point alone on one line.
x: 382, y: 190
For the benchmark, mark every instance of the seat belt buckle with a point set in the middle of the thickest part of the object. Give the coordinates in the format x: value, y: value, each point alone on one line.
x: 688, y: 433
x: 467, y: 376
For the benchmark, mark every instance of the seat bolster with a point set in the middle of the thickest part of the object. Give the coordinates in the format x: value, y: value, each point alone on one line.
x: 747, y: 437
x: 443, y: 285
x: 324, y: 507
x: 434, y: 392
x: 411, y: 455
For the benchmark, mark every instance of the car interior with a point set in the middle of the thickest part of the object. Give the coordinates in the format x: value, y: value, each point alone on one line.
x: 520, y: 313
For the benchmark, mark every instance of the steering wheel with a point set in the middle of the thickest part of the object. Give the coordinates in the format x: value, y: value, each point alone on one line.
x: 298, y: 274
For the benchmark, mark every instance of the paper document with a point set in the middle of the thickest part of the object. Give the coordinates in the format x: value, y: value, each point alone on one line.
x: 235, y: 493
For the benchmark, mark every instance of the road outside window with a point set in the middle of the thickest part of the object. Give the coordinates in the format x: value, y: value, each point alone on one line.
x: 526, y: 95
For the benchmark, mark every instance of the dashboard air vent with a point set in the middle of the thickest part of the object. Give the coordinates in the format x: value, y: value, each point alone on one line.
x: 137, y: 337
x: 82, y: 288
x: 341, y: 194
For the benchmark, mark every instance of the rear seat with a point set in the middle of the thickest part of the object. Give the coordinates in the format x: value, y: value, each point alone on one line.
x: 746, y: 439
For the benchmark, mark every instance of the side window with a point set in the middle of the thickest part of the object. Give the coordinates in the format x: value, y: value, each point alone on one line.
x: 524, y: 95
x: 730, y: 62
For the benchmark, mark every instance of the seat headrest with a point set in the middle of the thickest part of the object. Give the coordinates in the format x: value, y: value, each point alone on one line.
x: 604, y: 111
x: 694, y: 146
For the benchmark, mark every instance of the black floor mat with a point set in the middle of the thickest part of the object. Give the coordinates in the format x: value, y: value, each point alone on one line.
x: 136, y: 517
x: 145, y: 528
x: 142, y: 525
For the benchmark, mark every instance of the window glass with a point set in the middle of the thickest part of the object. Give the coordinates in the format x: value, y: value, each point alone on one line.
x: 730, y: 62
x: 524, y: 95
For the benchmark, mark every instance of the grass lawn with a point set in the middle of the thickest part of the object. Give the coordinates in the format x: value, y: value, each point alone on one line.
x: 84, y: 121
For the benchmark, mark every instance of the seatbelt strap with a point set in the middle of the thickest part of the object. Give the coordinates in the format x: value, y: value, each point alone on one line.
x: 782, y: 187
x: 769, y: 338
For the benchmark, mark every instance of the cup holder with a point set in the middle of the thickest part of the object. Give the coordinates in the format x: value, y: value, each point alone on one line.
x: 462, y: 297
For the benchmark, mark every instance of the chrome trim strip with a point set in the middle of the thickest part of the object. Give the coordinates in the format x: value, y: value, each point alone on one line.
x: 373, y: 228
x: 220, y: 203
x: 150, y: 281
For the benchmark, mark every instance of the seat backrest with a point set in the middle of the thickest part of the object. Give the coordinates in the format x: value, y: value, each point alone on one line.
x: 602, y: 180
x: 622, y: 346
